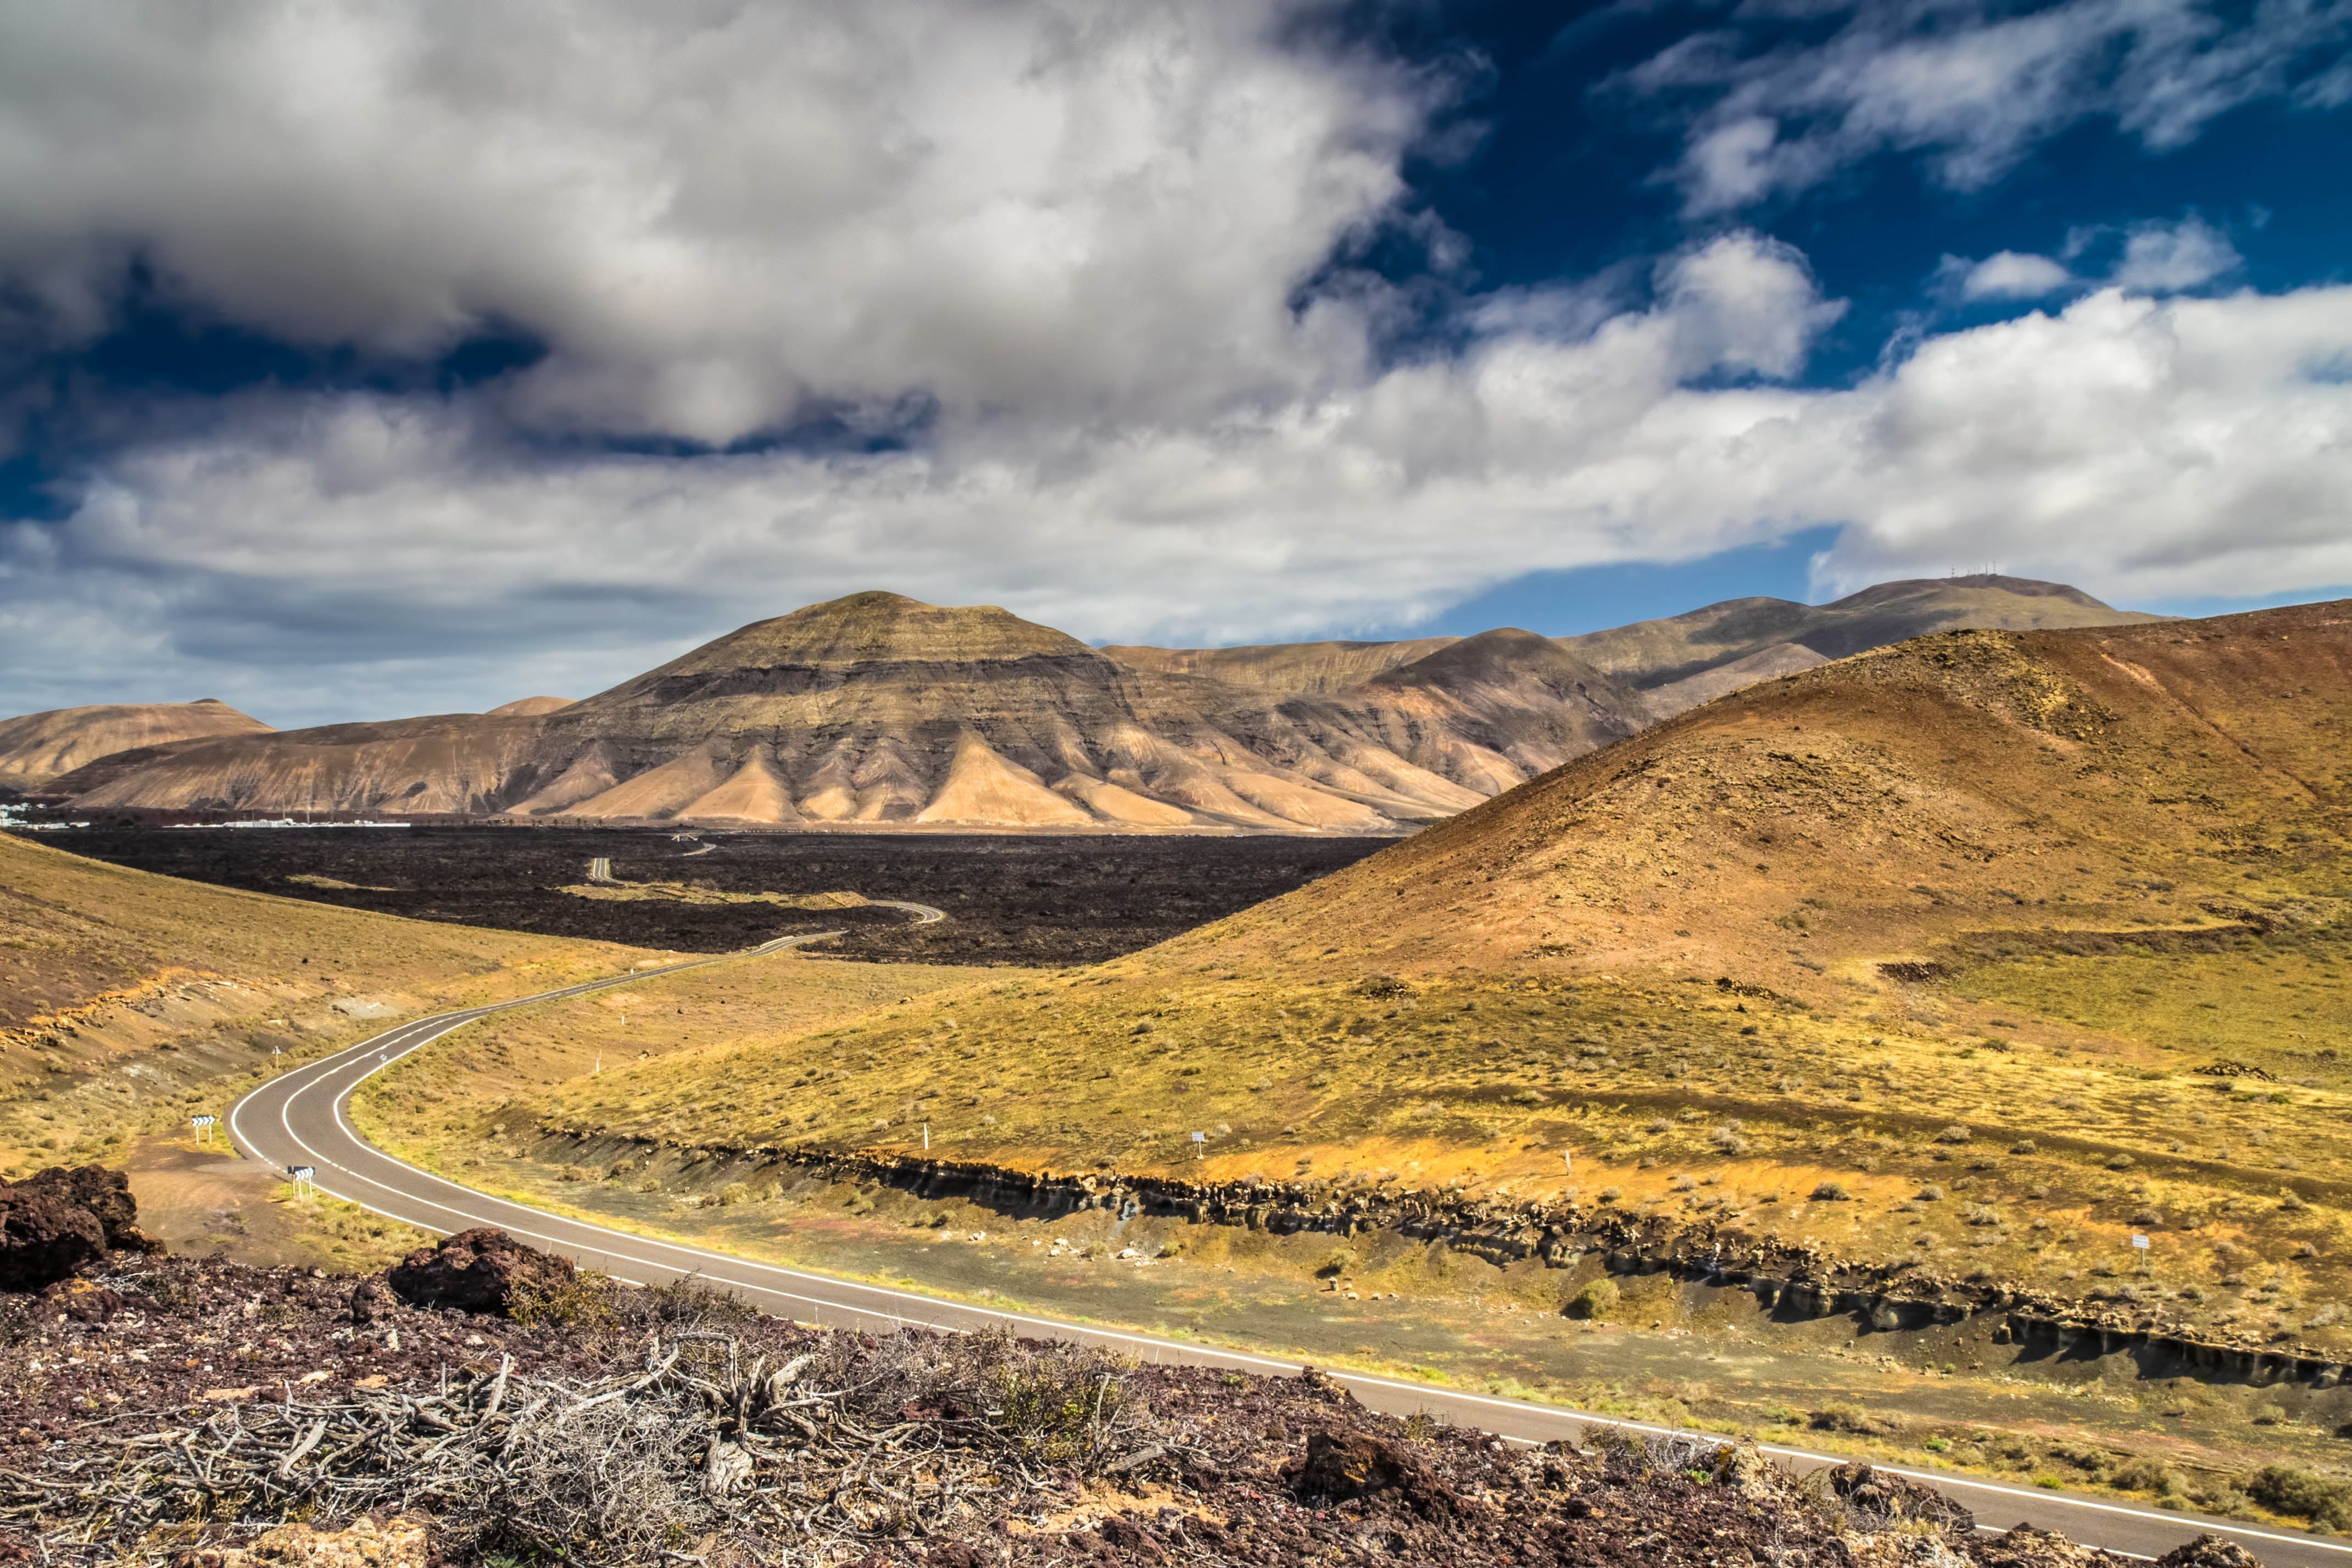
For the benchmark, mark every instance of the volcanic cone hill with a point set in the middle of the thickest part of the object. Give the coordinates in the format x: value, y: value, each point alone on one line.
x: 38, y: 747
x: 1966, y: 957
x: 1866, y: 810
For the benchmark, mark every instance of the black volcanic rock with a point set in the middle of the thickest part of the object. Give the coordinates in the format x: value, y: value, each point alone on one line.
x: 480, y: 1270
x: 44, y: 1238
x: 106, y: 1194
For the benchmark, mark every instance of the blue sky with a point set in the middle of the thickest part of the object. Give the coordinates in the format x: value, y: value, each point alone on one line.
x: 357, y: 360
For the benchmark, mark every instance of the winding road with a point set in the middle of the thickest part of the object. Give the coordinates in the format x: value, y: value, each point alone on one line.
x: 300, y: 1119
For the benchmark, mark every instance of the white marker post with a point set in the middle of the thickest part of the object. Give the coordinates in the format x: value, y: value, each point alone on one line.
x: 204, y: 1126
x: 1568, y: 1161
x: 1198, y: 1139
x: 927, y: 1137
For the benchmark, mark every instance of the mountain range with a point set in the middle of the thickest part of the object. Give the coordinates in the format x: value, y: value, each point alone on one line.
x: 877, y: 710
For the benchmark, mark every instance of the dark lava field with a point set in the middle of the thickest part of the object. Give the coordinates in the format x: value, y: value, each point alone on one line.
x: 1010, y: 900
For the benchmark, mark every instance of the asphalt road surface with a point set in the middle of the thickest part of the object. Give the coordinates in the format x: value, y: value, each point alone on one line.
x: 298, y: 1119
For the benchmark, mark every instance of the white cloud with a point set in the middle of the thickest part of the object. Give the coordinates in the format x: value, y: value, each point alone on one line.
x: 2142, y: 448
x: 386, y: 492
x: 1971, y: 86
x: 2161, y: 259
x: 1744, y: 303
x: 2154, y: 258
x: 719, y: 215
x: 2147, y: 449
x: 2010, y: 274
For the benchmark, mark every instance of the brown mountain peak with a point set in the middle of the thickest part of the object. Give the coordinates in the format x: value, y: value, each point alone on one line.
x: 37, y: 748
x: 1905, y: 591
x: 877, y: 628
x: 1788, y: 830
x: 1505, y: 652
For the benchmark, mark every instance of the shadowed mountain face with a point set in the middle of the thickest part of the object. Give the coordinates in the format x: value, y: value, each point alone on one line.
x: 1501, y: 706
x: 1681, y: 661
x: 877, y: 709
x: 1686, y: 660
x: 41, y: 746
x: 1311, y: 668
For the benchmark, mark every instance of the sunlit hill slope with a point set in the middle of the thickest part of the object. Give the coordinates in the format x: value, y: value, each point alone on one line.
x: 1973, y: 955
x: 125, y: 997
x: 37, y: 748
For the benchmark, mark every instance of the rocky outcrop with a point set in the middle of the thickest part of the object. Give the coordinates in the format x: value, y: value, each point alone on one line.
x: 59, y: 1220
x: 482, y: 1270
x: 44, y: 1238
x: 367, y: 1301
x: 106, y: 1194
x: 2208, y: 1551
x: 1794, y: 1280
x: 1344, y: 1465
x: 1883, y: 1497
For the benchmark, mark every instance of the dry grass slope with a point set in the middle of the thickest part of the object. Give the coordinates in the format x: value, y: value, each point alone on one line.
x: 468, y: 1096
x: 124, y: 996
x: 1978, y: 953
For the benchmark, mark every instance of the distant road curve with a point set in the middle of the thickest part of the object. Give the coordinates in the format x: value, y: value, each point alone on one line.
x: 300, y: 1119
x: 923, y: 913
x: 601, y: 870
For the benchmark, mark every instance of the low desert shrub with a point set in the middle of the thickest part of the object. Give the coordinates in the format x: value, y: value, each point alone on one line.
x: 584, y: 1300
x: 2283, y: 1489
x: 1595, y: 1301
x: 1851, y: 1420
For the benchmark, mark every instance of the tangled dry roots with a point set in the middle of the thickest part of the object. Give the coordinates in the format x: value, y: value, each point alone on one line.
x: 857, y: 1441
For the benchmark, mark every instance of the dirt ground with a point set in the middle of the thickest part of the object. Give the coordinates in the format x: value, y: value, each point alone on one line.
x: 1010, y: 900
x: 205, y: 1201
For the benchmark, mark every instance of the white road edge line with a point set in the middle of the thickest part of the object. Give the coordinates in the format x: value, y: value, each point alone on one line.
x: 323, y: 1067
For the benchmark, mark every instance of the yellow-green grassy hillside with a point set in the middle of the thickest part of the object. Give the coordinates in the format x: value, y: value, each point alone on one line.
x: 126, y: 997
x: 2005, y: 946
